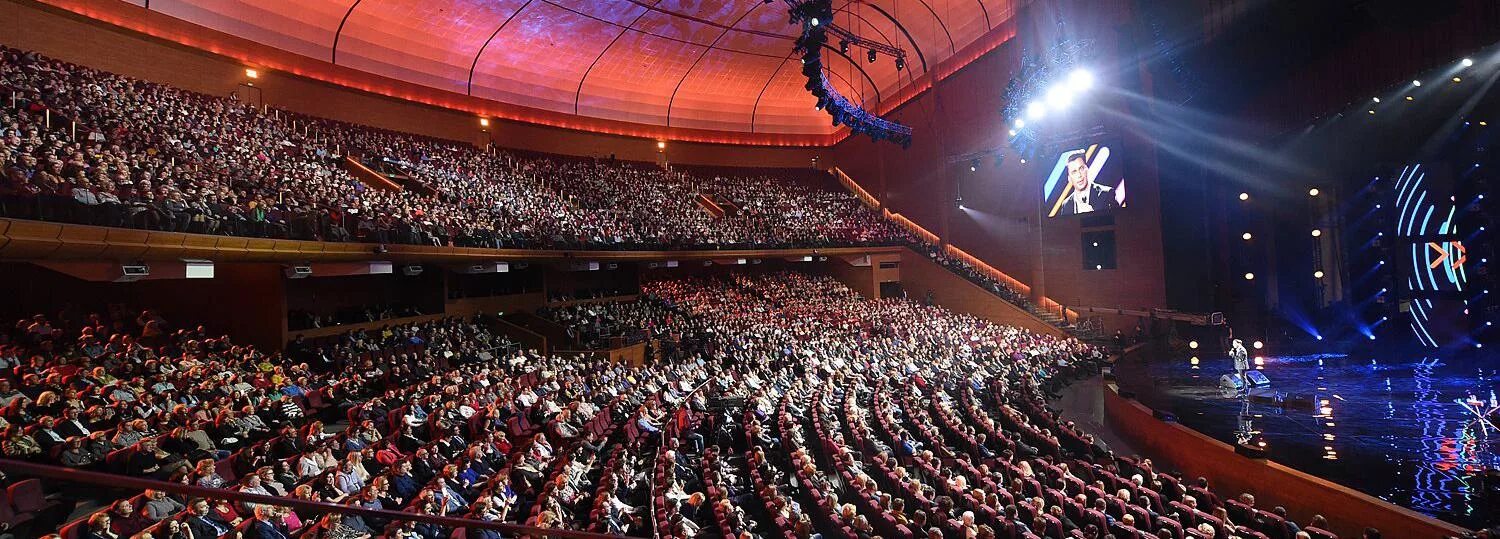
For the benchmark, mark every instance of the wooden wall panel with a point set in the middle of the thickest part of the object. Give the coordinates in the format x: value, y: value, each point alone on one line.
x: 921, y: 276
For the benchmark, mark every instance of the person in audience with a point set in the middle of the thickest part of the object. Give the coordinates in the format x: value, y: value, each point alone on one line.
x: 158, y: 506
x: 99, y: 527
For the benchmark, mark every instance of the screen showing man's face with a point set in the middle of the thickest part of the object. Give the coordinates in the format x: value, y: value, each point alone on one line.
x: 1078, y: 175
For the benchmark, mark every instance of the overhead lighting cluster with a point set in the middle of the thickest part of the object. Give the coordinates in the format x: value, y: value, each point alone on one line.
x: 816, y: 20
x: 1048, y: 83
x: 1058, y: 98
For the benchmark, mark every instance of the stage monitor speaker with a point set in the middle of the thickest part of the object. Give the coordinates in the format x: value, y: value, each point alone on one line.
x: 1231, y: 381
x: 1257, y: 379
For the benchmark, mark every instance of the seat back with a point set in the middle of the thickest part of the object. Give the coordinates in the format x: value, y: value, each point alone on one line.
x: 27, y: 496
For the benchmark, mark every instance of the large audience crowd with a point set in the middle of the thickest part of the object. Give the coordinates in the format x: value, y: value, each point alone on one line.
x: 86, y: 146
x: 82, y: 145
x: 795, y: 408
x: 781, y: 404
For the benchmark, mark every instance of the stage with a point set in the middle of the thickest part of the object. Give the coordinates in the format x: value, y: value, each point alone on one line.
x: 1388, y: 427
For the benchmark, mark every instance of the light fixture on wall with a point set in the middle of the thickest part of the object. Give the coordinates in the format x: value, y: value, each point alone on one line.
x: 252, y: 73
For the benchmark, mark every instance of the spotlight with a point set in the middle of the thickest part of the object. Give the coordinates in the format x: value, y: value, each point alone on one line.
x: 1312, y: 192
x: 1036, y: 110
x: 844, y: 46
x: 1023, y: 160
x: 1416, y: 83
x: 1258, y: 345
x: 1483, y: 123
x: 814, y: 21
x: 1081, y: 79
x: 1317, y: 233
x: 1410, y: 98
x: 1375, y: 99
x: 973, y: 165
x: 1244, y: 196
x: 1371, y: 111
x: 1249, y: 276
x: 900, y: 64
x: 1318, y: 274
x: 1020, y: 123
x: 1193, y: 344
x: 872, y: 55
x: 1246, y: 236
x: 1012, y: 132
x: 484, y: 122
x: 1457, y: 80
x: 661, y: 144
x: 1467, y: 62
x: 1059, y: 97
x: 251, y: 73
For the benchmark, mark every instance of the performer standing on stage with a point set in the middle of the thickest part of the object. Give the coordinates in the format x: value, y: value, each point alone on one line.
x: 1241, y: 359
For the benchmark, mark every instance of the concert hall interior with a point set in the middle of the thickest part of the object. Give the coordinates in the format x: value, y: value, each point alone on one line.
x: 749, y: 269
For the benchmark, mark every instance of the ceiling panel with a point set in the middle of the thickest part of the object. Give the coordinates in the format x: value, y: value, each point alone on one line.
x: 710, y: 64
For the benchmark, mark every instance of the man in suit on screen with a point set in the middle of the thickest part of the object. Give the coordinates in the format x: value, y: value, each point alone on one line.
x: 1083, y: 195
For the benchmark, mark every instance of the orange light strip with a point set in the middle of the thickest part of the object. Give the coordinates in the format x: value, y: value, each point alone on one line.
x: 850, y: 184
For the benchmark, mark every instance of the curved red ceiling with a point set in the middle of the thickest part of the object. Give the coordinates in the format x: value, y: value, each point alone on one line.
x: 718, y: 65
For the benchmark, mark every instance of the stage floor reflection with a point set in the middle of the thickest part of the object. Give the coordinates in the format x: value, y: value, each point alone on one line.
x: 1390, y: 429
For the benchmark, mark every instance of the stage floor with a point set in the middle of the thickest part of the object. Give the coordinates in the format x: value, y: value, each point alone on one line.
x: 1390, y: 428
